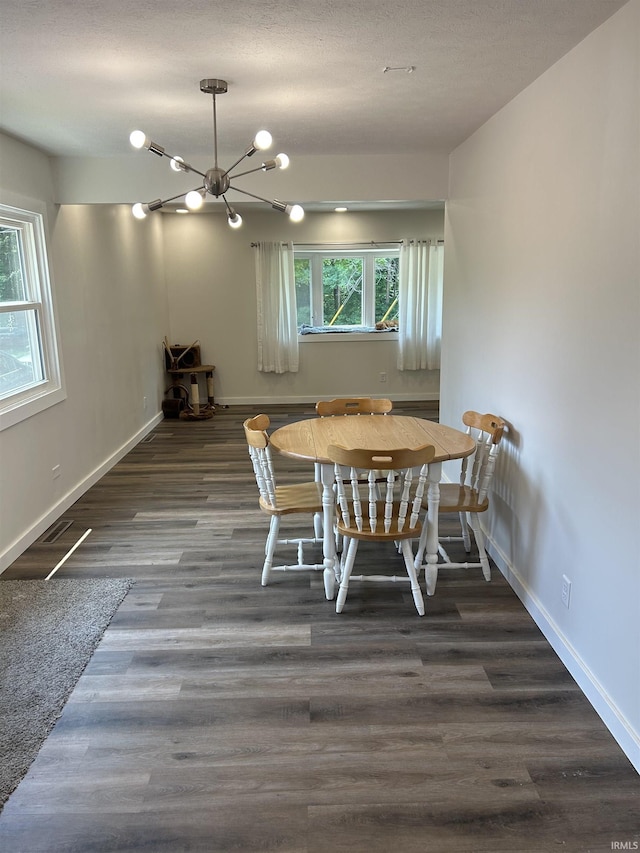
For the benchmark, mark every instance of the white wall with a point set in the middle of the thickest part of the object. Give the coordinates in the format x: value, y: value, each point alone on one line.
x: 542, y: 273
x: 111, y: 301
x: 114, y: 307
x: 210, y: 272
x: 141, y: 176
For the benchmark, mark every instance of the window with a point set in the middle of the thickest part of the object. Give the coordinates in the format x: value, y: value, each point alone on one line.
x: 29, y: 364
x: 347, y: 289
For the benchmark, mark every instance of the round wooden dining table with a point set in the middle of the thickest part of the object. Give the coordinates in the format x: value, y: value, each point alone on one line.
x: 309, y: 440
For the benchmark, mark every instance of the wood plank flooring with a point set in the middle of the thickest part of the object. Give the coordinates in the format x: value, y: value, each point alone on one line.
x: 217, y: 715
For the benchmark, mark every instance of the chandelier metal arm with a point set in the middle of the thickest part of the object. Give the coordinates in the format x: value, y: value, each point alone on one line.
x: 240, y: 159
x: 184, y: 167
x: 197, y: 171
x: 244, y: 192
x: 173, y: 198
x: 260, y: 168
x: 275, y: 204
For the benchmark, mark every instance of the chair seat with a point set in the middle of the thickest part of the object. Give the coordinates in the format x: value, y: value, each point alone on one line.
x: 456, y: 498
x: 295, y: 498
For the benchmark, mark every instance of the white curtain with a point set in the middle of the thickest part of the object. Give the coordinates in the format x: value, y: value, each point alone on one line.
x: 277, y: 320
x: 420, y: 301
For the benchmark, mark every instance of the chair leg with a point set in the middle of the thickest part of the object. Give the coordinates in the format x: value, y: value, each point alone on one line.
x: 431, y: 577
x: 270, y: 547
x: 345, y: 574
x: 415, y: 586
x: 329, y: 578
x: 464, y: 524
x: 443, y: 552
x: 482, y: 553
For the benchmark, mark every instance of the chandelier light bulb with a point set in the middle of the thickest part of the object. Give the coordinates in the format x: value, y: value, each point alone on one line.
x: 139, y: 211
x: 263, y: 140
x: 139, y: 139
x: 194, y: 200
x: 177, y: 164
x: 296, y: 213
x: 282, y: 161
x: 234, y: 219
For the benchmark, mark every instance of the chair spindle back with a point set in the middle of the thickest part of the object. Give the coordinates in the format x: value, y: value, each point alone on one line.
x: 487, y: 430
x: 255, y: 430
x: 392, y: 504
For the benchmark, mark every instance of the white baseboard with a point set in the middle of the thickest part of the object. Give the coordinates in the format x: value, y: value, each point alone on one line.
x: 304, y: 400
x: 53, y: 514
x: 620, y: 727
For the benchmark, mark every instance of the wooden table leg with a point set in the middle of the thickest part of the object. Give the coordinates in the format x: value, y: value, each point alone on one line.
x: 428, y: 544
x: 331, y: 563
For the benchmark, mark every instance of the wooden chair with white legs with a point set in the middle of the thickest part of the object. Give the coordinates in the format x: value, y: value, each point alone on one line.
x: 374, y: 512
x: 469, y: 497
x: 340, y: 406
x: 281, y: 500
x: 354, y: 406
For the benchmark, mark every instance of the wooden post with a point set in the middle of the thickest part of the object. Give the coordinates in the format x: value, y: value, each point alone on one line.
x: 195, y: 394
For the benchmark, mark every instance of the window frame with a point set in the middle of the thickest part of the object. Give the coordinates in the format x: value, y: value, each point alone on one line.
x: 28, y: 218
x: 316, y: 254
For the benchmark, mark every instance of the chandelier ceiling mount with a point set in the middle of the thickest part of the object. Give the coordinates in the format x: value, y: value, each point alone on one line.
x: 215, y: 181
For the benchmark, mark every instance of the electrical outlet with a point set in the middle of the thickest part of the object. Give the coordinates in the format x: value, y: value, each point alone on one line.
x: 566, y: 591
x: 144, y: 403
x: 383, y: 377
x: 55, y: 472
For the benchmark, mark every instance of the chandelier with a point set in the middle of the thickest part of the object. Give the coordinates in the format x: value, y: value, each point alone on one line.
x: 216, y: 181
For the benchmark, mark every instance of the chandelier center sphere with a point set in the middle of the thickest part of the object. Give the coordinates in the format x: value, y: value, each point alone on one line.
x: 216, y: 181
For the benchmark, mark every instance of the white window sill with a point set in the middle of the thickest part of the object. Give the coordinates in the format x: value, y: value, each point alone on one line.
x: 347, y: 337
x: 19, y: 407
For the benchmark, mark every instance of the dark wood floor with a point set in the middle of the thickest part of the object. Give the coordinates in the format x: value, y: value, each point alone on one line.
x: 219, y: 716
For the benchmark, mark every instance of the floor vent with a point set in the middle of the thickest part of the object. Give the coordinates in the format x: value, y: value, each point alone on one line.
x: 55, y: 532
x: 149, y: 438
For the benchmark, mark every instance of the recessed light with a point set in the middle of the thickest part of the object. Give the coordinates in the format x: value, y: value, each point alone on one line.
x: 181, y: 210
x: 340, y: 209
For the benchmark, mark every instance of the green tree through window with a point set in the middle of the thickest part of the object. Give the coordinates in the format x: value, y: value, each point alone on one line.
x: 349, y: 288
x: 30, y: 378
x: 342, y: 291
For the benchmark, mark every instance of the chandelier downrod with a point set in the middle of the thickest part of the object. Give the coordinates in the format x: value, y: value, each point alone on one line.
x: 213, y: 88
x: 216, y: 181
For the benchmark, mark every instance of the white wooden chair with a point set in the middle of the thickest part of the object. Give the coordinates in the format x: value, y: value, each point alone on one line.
x: 469, y: 497
x: 280, y: 500
x: 376, y: 513
x: 354, y: 406
x: 340, y: 406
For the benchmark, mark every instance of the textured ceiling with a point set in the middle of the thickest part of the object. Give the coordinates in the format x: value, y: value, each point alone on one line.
x: 76, y: 78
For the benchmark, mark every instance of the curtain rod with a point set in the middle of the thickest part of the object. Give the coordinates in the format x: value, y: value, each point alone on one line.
x: 371, y: 244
